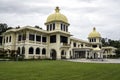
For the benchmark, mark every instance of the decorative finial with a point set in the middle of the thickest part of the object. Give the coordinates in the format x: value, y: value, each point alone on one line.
x: 57, y: 9
x: 94, y: 29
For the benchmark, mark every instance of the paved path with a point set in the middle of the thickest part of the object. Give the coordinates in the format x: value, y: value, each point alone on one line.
x: 96, y: 60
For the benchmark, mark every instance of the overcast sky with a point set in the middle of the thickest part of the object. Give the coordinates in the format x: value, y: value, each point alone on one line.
x: 82, y: 15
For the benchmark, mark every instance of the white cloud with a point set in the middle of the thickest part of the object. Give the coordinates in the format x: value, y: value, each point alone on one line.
x: 83, y: 15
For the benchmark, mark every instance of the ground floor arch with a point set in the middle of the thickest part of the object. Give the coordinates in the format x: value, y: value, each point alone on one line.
x: 95, y: 55
x: 53, y: 54
x: 63, y: 54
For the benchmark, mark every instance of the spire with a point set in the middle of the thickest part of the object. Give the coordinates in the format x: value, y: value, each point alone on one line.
x: 94, y: 29
x: 57, y: 9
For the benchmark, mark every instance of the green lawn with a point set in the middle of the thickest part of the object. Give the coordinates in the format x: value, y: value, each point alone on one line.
x: 58, y: 70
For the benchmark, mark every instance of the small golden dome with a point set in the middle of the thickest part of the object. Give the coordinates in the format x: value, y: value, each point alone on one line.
x: 96, y: 49
x: 57, y: 16
x: 94, y: 34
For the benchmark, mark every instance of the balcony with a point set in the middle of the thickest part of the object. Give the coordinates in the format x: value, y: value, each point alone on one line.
x: 1, y: 47
x: 65, y: 45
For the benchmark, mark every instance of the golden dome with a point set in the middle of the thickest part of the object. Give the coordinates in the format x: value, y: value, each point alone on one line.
x: 94, y: 34
x: 57, y: 16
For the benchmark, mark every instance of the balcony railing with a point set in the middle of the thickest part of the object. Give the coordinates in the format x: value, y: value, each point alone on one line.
x: 1, y: 46
x: 65, y: 45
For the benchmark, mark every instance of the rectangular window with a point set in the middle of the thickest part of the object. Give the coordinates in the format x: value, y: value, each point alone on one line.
x: 74, y: 44
x: 61, y: 26
x: 53, y: 26
x: 50, y: 27
x: 24, y: 37
x: 10, y: 39
x: 38, y: 38
x: 53, y: 39
x: 63, y: 39
x: 64, y: 27
x: 47, y: 27
x: 31, y: 37
x: 44, y: 39
x: 19, y: 37
x: 94, y: 40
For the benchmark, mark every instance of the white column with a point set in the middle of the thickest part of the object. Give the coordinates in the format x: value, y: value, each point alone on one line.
x: 64, y: 28
x: 49, y: 28
x: 41, y: 52
x: 27, y: 36
x: 41, y: 38
x: 58, y: 47
x: 26, y: 52
x: 86, y: 54
x: 35, y: 38
x: 67, y: 54
x: 34, y: 52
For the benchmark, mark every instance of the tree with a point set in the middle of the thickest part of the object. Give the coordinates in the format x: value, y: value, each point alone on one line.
x: 114, y: 43
x: 3, y: 27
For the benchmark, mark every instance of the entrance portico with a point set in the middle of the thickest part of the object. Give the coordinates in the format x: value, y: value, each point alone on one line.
x: 81, y: 52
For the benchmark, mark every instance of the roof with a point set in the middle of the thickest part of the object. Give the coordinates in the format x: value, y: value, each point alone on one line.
x: 25, y: 27
x: 109, y: 47
x: 57, y: 16
x: 73, y: 38
x: 94, y: 34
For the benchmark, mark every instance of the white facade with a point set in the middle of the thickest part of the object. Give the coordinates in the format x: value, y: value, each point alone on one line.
x: 53, y: 43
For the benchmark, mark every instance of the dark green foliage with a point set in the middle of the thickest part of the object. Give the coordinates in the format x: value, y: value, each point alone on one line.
x: 114, y: 43
x: 3, y: 27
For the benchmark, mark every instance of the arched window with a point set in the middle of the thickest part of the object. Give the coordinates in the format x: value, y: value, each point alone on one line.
x: 10, y: 39
x: 23, y: 50
x: 81, y: 45
x: 74, y: 44
x: 31, y: 50
x: 18, y: 50
x: 37, y: 50
x: 43, y: 51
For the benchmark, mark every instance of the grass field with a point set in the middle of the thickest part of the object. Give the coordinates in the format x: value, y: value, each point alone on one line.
x: 58, y: 70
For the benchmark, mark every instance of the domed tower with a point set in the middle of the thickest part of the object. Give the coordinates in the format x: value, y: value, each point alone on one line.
x: 58, y: 37
x: 95, y: 38
x: 57, y: 21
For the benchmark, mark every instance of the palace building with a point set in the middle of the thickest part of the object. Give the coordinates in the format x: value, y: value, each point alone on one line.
x: 56, y: 42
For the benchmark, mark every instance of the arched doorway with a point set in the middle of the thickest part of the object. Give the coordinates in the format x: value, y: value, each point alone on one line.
x: 18, y: 50
x: 53, y: 54
x: 23, y: 50
x: 63, y: 54
x: 95, y: 55
x: 31, y: 50
x: 37, y: 50
x: 43, y: 51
